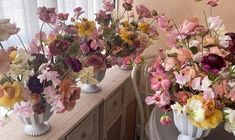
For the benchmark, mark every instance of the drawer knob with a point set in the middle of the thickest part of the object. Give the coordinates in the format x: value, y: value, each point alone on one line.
x: 83, y: 135
x: 115, y: 103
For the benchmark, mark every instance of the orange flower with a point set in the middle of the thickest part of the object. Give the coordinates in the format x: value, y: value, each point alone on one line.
x: 4, y: 62
x: 209, y: 107
x: 70, y: 94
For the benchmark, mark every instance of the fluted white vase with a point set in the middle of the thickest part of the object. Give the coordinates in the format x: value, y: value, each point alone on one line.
x: 37, y: 124
x: 99, y: 76
x: 187, y: 130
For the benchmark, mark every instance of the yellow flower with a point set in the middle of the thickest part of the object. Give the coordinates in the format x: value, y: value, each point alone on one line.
x: 126, y: 36
x: 144, y: 27
x: 11, y: 93
x: 12, y: 55
x: 213, y: 117
x: 87, y: 76
x: 86, y: 27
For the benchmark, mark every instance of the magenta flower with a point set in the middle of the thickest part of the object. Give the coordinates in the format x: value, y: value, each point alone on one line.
x: 212, y: 3
x: 213, y: 63
x: 143, y: 11
x: 108, y: 6
x: 159, y: 80
x: 74, y: 63
x: 160, y: 99
x: 47, y: 15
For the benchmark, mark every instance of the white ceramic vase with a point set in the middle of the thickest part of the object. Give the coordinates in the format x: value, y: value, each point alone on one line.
x: 99, y: 76
x: 37, y: 124
x: 187, y: 130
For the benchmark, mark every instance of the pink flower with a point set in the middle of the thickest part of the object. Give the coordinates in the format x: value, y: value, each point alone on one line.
x: 4, y: 62
x: 49, y: 75
x: 165, y: 120
x: 212, y: 3
x: 40, y: 36
x: 108, y: 6
x: 63, y: 16
x: 159, y: 80
x: 171, y: 39
x: 221, y: 89
x: 216, y: 50
x: 181, y: 79
x: 188, y: 26
x: 164, y: 23
x: 127, y: 62
x: 7, y: 29
x: 201, y: 84
x: 169, y: 63
x: 231, y: 95
x: 95, y: 60
x: 215, y: 23
x: 182, y: 97
x: 138, y: 59
x: 78, y: 11
x: 184, y: 55
x: 85, y: 48
x: 160, y: 99
x: 47, y: 15
x: 189, y: 71
x: 34, y: 48
x: 208, y: 94
x: 23, y: 109
x: 153, y: 33
x: 143, y: 11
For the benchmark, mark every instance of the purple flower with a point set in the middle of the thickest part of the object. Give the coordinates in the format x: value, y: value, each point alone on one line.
x: 47, y: 15
x: 213, y: 63
x: 74, y: 63
x: 231, y: 42
x: 34, y: 85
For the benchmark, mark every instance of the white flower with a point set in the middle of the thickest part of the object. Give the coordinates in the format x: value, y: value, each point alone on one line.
x: 177, y: 107
x: 3, y: 112
x: 7, y: 29
x: 215, y: 23
x: 195, y: 110
x: 230, y: 120
x: 201, y: 85
x: 224, y: 40
x: 181, y: 79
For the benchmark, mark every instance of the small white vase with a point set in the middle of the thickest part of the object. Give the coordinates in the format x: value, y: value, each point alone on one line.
x: 99, y: 76
x: 37, y: 124
x: 187, y: 130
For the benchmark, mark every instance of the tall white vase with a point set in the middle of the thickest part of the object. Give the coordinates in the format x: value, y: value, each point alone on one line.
x: 99, y: 76
x: 37, y: 124
x: 187, y: 130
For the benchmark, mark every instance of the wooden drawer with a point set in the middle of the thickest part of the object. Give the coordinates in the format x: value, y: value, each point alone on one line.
x: 87, y: 129
x: 113, y: 108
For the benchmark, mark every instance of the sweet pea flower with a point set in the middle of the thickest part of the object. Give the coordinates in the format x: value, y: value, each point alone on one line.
x: 47, y: 15
x: 201, y: 84
x: 7, y: 29
x: 143, y: 11
x: 215, y: 23
x: 160, y: 99
x: 108, y: 6
x: 23, y: 109
x: 212, y: 3
x: 181, y: 79
x: 159, y: 80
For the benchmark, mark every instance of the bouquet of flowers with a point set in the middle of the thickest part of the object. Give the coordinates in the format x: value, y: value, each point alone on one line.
x: 126, y: 35
x: 195, y: 76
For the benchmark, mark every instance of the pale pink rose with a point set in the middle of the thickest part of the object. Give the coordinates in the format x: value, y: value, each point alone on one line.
x: 7, y: 29
x: 169, y: 63
x: 184, y: 55
x: 108, y: 6
x: 4, y: 62
x: 212, y: 3
x: 215, y: 23
x: 159, y: 80
x: 23, y: 109
x: 160, y: 99
x: 143, y: 11
x: 188, y: 26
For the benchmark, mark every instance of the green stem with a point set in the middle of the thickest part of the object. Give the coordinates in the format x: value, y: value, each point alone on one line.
x: 43, y: 51
x: 9, y: 79
x: 179, y: 32
x: 22, y: 43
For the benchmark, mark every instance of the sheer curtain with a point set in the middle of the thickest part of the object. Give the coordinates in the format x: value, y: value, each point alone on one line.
x: 23, y: 13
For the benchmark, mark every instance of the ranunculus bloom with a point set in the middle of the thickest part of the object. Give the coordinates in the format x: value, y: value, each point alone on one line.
x: 58, y: 46
x: 95, y: 60
x: 74, y: 63
x: 4, y: 62
x: 34, y: 85
x: 160, y: 99
x: 12, y: 93
x: 143, y: 11
x: 213, y: 63
x: 70, y: 94
x: 231, y: 45
x: 47, y: 15
x: 212, y: 3
x: 182, y: 97
x: 7, y: 29
x: 184, y: 55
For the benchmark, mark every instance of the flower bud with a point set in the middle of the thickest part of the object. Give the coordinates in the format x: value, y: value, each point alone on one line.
x: 165, y: 120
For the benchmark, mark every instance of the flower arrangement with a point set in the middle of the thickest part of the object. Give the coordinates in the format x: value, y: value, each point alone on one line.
x: 195, y: 76
x: 128, y: 34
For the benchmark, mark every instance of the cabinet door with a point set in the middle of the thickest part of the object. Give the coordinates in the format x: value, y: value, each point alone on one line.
x: 88, y: 129
x: 114, y: 133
